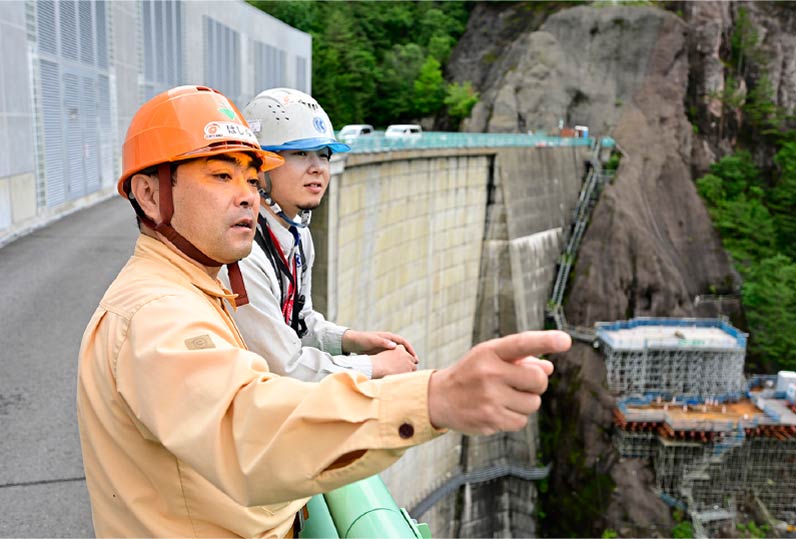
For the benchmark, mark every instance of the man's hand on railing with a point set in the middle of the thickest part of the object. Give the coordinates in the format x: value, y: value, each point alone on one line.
x: 496, y: 385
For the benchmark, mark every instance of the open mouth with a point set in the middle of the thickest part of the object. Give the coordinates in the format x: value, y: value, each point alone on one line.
x: 314, y: 185
x: 244, y: 223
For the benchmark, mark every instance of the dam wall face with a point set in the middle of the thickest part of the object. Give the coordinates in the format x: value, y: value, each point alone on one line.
x: 449, y: 248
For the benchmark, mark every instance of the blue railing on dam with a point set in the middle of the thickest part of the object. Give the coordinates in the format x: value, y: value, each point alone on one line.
x: 440, y: 139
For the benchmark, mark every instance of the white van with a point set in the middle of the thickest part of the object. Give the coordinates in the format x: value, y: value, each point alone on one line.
x: 353, y: 131
x: 403, y: 131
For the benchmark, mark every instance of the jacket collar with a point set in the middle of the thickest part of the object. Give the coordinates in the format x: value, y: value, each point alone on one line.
x: 153, y: 249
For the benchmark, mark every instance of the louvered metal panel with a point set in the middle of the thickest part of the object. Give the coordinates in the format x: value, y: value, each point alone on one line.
x: 75, y: 179
x: 67, y: 28
x: 270, y: 69
x: 86, y: 25
x: 222, y: 58
x: 149, y: 41
x: 259, y: 77
x: 52, y: 113
x: 162, y: 46
x: 88, y: 116
x: 270, y: 58
x: 178, y: 43
x: 234, y: 63
x: 160, y: 40
x: 301, y: 74
x: 105, y: 135
x: 208, y: 50
x: 102, y: 35
x: 281, y: 62
x: 168, y: 43
x: 45, y: 19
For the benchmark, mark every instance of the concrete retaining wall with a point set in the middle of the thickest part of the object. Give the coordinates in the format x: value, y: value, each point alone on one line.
x: 448, y: 248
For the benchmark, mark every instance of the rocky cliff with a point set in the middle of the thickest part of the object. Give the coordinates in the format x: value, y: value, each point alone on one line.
x: 649, y: 78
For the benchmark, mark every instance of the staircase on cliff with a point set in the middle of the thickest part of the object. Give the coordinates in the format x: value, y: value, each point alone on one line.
x: 589, y: 194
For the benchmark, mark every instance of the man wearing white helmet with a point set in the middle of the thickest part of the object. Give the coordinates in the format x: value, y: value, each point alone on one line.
x: 279, y: 323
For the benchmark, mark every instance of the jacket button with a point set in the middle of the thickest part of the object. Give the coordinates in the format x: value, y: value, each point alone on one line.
x: 406, y: 431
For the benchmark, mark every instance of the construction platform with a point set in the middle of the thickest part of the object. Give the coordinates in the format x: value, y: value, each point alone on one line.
x: 694, y: 357
x: 714, y: 438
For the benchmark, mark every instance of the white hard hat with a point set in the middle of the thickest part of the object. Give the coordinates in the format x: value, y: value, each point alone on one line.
x: 288, y: 119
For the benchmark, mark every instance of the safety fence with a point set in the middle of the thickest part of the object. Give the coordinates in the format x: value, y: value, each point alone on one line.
x: 438, y: 139
x: 364, y: 509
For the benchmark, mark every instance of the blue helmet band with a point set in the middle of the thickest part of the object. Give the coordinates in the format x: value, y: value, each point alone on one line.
x: 310, y: 144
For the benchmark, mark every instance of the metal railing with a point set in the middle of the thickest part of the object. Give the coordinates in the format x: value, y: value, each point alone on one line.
x: 478, y: 476
x: 589, y: 193
x: 440, y: 139
x: 364, y: 509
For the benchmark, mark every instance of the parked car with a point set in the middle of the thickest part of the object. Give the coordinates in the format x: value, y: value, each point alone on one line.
x: 354, y: 131
x: 403, y: 131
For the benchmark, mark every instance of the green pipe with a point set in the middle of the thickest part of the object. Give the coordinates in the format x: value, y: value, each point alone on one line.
x: 366, y: 509
x: 319, y: 524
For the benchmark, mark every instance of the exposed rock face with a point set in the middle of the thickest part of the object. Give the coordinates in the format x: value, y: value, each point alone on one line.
x: 711, y: 27
x: 651, y: 247
x: 624, y: 71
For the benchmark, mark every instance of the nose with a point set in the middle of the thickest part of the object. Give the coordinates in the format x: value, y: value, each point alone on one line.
x: 247, y: 194
x: 316, y: 163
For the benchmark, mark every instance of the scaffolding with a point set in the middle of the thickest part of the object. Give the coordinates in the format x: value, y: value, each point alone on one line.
x: 673, y: 356
x: 708, y: 456
x: 713, y: 439
x: 631, y: 444
x: 710, y: 478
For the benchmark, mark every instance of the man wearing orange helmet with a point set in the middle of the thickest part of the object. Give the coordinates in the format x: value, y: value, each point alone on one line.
x: 184, y: 431
x: 279, y: 322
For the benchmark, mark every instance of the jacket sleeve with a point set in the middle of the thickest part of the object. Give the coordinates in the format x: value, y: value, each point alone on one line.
x: 259, y: 437
x: 266, y: 333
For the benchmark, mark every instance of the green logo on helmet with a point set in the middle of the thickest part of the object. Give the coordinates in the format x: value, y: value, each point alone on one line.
x: 229, y: 113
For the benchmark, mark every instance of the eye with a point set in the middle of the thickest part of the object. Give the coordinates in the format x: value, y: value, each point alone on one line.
x: 254, y: 181
x: 223, y: 176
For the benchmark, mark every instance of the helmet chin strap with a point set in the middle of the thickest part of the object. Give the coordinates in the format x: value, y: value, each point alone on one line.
x: 301, y: 220
x: 182, y: 243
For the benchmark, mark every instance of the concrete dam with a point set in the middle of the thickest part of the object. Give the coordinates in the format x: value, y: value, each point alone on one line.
x: 450, y: 247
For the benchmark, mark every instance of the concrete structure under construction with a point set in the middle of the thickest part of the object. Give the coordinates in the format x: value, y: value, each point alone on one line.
x: 711, y: 447
x: 686, y: 357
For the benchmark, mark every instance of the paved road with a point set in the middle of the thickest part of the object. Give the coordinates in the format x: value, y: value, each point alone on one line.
x: 52, y: 281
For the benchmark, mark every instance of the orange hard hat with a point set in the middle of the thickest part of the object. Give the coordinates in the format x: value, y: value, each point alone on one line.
x: 184, y: 123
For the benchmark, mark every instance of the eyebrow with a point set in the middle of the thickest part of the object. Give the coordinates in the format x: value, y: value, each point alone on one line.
x: 248, y: 163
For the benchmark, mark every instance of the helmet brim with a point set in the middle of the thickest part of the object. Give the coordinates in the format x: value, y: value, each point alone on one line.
x: 270, y: 159
x: 310, y: 144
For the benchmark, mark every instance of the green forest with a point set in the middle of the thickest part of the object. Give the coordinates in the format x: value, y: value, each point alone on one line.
x: 381, y: 62
x: 755, y: 216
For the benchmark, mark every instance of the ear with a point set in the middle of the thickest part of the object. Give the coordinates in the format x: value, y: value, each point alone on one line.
x: 145, y: 190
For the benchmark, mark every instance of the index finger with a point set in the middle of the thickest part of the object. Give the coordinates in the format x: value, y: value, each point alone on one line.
x: 530, y: 343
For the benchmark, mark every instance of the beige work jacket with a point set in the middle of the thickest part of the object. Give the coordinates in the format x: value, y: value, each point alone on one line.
x: 186, y: 433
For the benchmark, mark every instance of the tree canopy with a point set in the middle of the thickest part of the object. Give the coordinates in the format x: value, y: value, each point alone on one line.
x: 758, y: 229
x: 380, y: 62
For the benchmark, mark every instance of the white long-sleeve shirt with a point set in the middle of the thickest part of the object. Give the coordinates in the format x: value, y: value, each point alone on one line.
x: 263, y: 327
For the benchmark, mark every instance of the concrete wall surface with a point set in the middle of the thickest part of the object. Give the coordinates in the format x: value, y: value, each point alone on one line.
x: 448, y: 248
